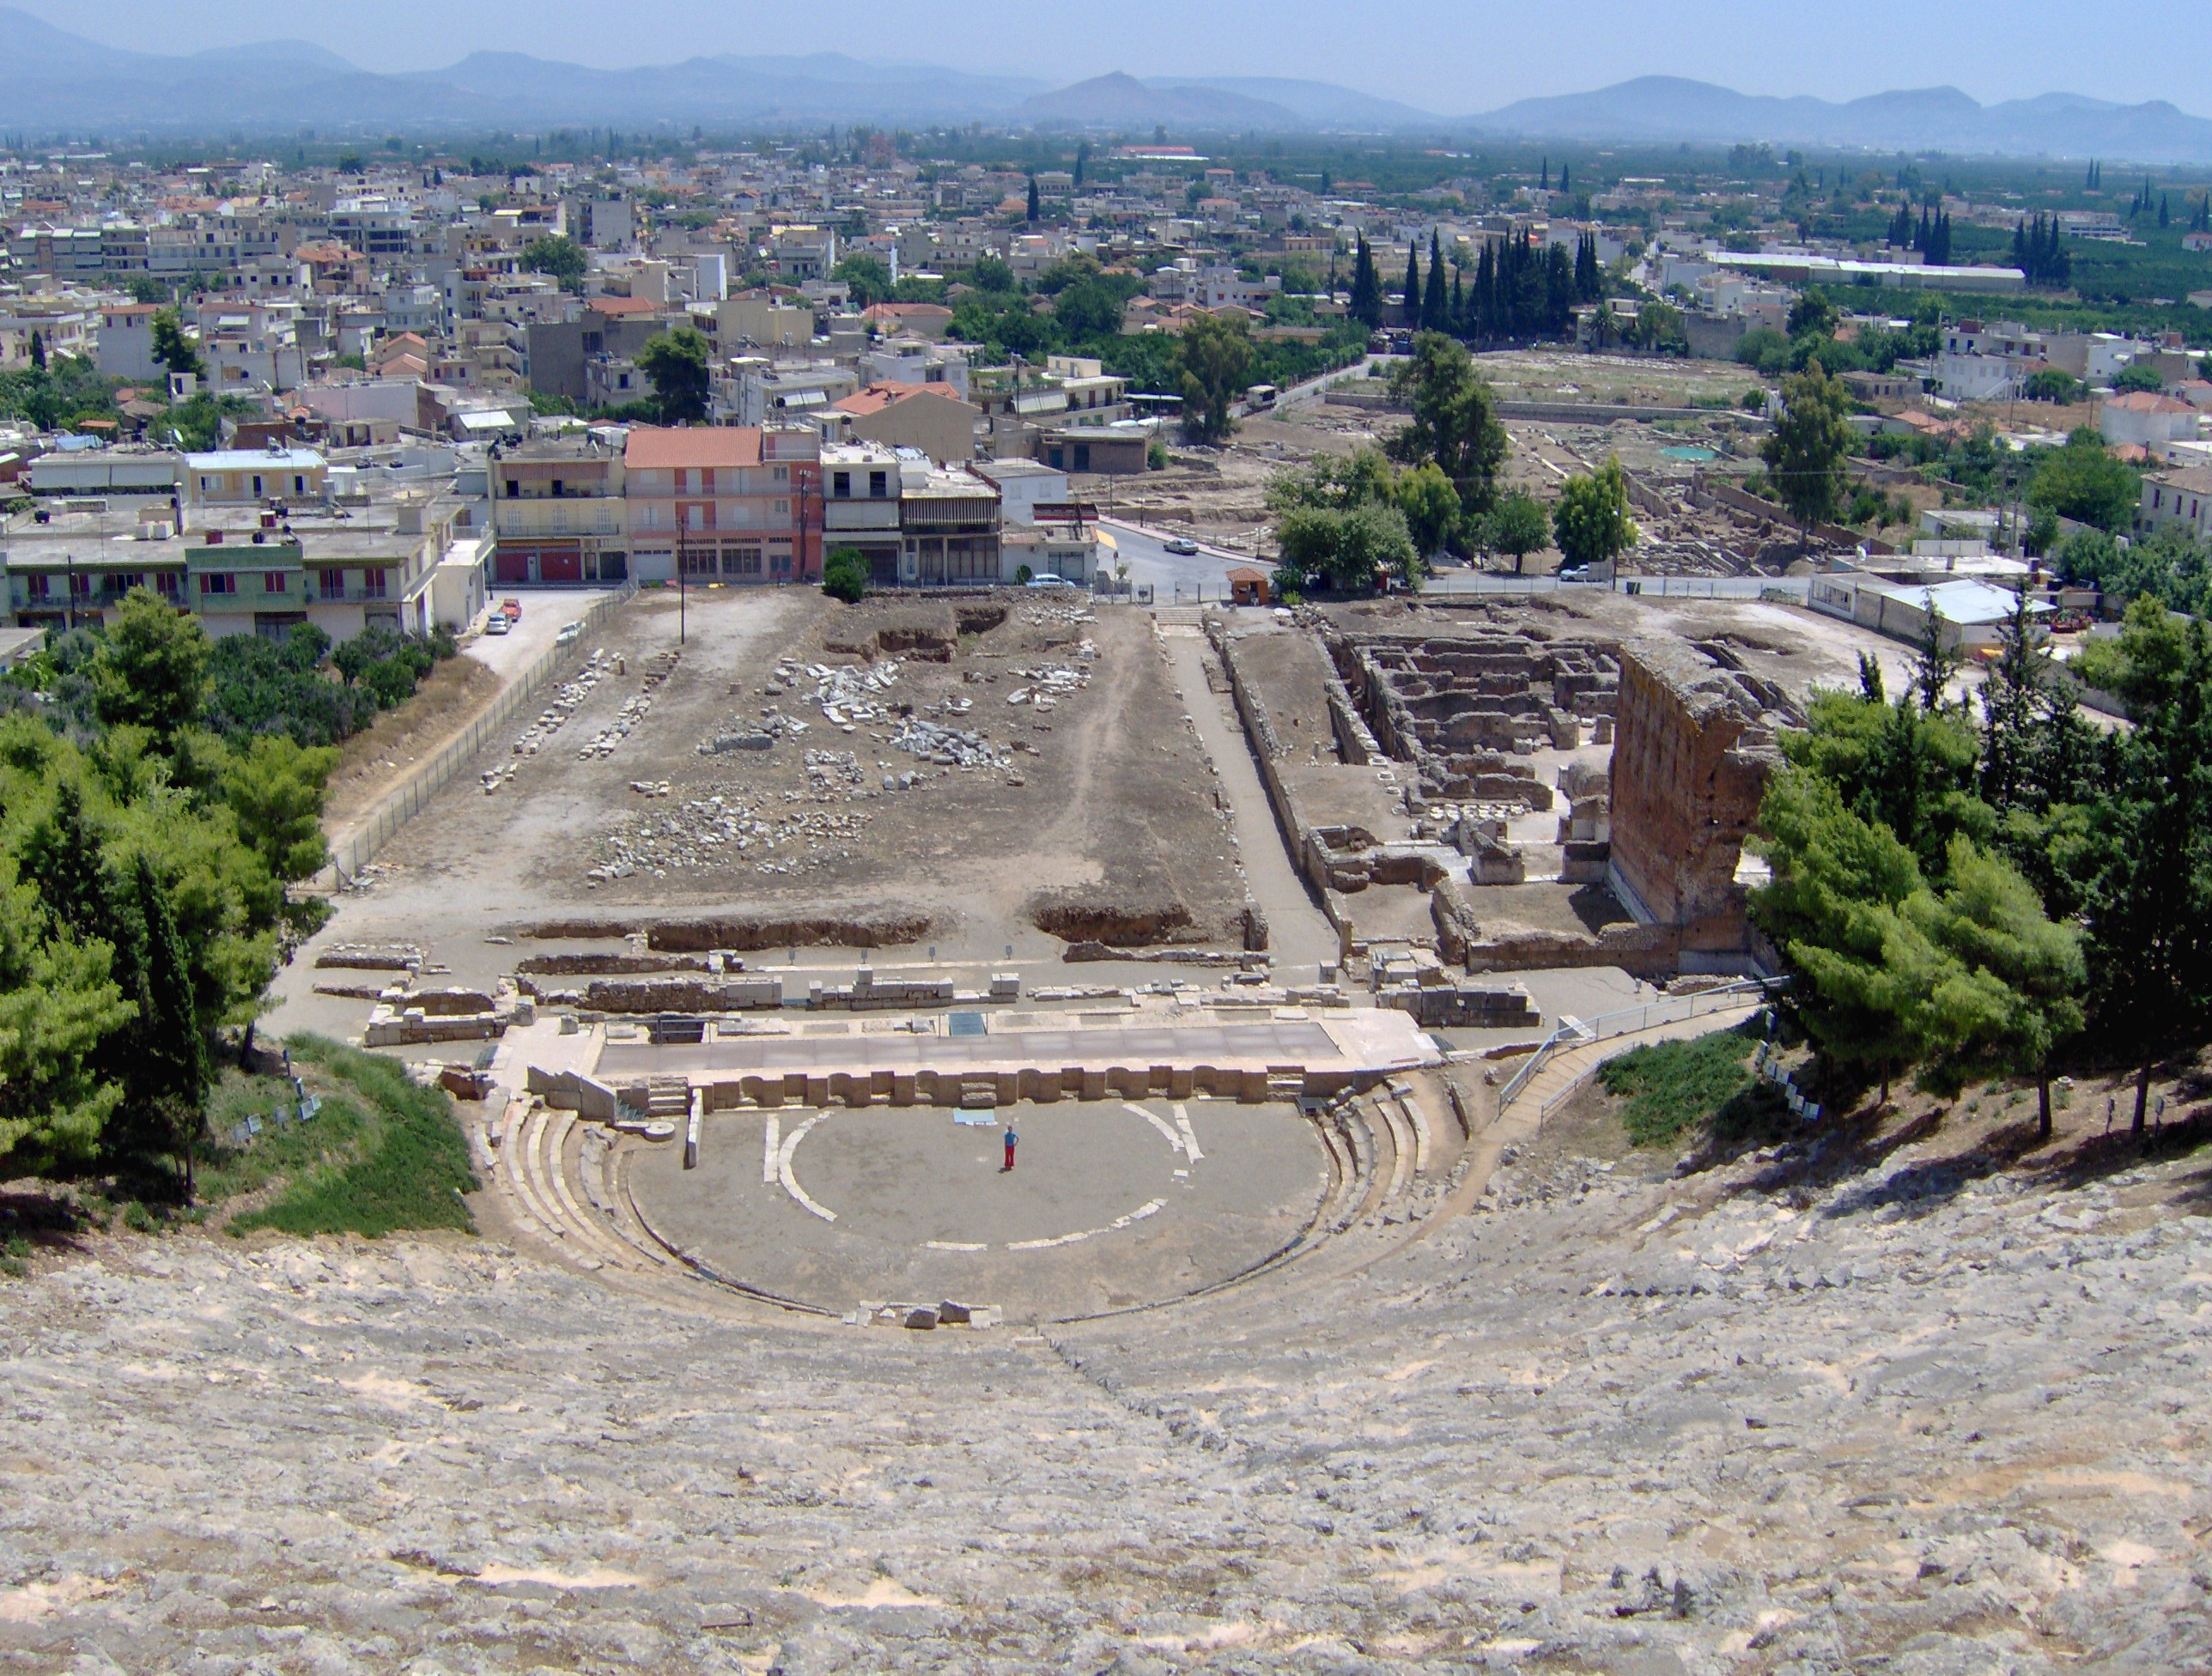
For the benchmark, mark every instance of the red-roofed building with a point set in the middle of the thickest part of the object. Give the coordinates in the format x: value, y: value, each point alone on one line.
x: 2147, y: 418
x: 927, y: 416
x: 923, y: 320
x: 737, y: 503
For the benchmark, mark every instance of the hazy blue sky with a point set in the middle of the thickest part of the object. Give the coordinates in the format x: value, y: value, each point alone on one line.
x: 1448, y: 57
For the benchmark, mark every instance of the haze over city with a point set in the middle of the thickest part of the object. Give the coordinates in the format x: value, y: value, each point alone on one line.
x: 1444, y: 55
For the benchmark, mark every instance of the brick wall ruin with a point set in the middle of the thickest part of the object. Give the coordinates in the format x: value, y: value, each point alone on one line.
x: 1695, y: 746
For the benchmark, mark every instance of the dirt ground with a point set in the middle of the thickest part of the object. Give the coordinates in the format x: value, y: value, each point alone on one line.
x: 378, y: 758
x: 1093, y: 813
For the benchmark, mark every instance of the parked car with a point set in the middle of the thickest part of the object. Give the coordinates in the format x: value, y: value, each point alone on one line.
x: 1180, y: 544
x: 499, y: 622
x: 511, y: 608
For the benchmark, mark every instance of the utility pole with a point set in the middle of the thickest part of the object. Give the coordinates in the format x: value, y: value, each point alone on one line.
x: 682, y: 564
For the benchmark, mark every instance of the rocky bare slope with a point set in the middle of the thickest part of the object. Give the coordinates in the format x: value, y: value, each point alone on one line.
x: 1925, y: 1420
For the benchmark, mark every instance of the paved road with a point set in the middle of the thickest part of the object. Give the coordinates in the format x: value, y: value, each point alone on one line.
x: 1299, y: 934
x: 1175, y: 578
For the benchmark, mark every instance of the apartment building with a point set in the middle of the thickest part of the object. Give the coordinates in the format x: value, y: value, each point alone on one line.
x: 252, y: 476
x: 242, y: 570
x: 558, y: 511
x: 740, y: 503
x: 926, y: 417
x: 2183, y: 497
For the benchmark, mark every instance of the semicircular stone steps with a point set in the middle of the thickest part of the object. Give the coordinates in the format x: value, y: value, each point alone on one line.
x: 557, y: 1173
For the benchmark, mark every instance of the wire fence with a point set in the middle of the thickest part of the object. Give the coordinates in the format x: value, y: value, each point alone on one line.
x: 1627, y: 1021
x: 350, y: 854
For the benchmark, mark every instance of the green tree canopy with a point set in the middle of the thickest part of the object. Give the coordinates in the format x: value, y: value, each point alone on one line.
x: 2082, y: 481
x: 868, y: 277
x: 676, y: 362
x: 1216, y: 352
x: 1590, y: 524
x: 1517, y: 526
x: 558, y: 257
x: 1805, y: 456
x: 171, y: 347
x: 1455, y: 423
x: 151, y: 671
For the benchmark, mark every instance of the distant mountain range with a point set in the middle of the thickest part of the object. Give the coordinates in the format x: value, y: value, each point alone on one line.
x: 53, y: 82
x: 2059, y: 125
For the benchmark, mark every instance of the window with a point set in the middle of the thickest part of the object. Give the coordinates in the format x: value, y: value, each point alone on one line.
x: 783, y: 474
x: 257, y: 488
x: 741, y: 562
x: 513, y: 489
x: 878, y: 486
x: 35, y: 586
x: 299, y: 485
x: 168, y: 584
x: 371, y: 584
x: 841, y: 484
x: 80, y: 587
x: 330, y: 583
x: 272, y: 581
x: 123, y: 580
x: 214, y: 581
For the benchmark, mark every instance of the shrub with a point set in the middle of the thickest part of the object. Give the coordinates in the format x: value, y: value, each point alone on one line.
x: 845, y: 576
x: 1671, y: 1085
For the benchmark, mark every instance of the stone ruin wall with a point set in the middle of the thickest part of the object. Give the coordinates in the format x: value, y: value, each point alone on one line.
x: 1465, y: 710
x: 1695, y: 747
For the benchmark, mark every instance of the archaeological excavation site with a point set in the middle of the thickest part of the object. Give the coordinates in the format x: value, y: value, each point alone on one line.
x: 1012, y: 1132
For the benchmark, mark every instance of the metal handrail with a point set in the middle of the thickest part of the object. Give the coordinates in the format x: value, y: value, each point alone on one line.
x: 1576, y: 1032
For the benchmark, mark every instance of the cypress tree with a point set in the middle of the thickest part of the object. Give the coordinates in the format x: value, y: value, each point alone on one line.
x: 1459, y: 327
x: 1564, y: 186
x: 1433, y: 317
x: 2163, y: 215
x: 1482, y: 307
x: 172, y: 1075
x: 1413, y: 284
x: 1366, y: 305
x: 1545, y: 183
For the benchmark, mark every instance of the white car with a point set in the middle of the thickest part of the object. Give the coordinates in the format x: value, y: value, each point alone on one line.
x: 1182, y: 545
x: 498, y: 624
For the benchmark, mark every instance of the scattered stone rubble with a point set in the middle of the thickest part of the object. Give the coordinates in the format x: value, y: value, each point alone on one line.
x: 948, y: 747
x: 713, y: 830
x: 850, y: 694
x: 598, y: 667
